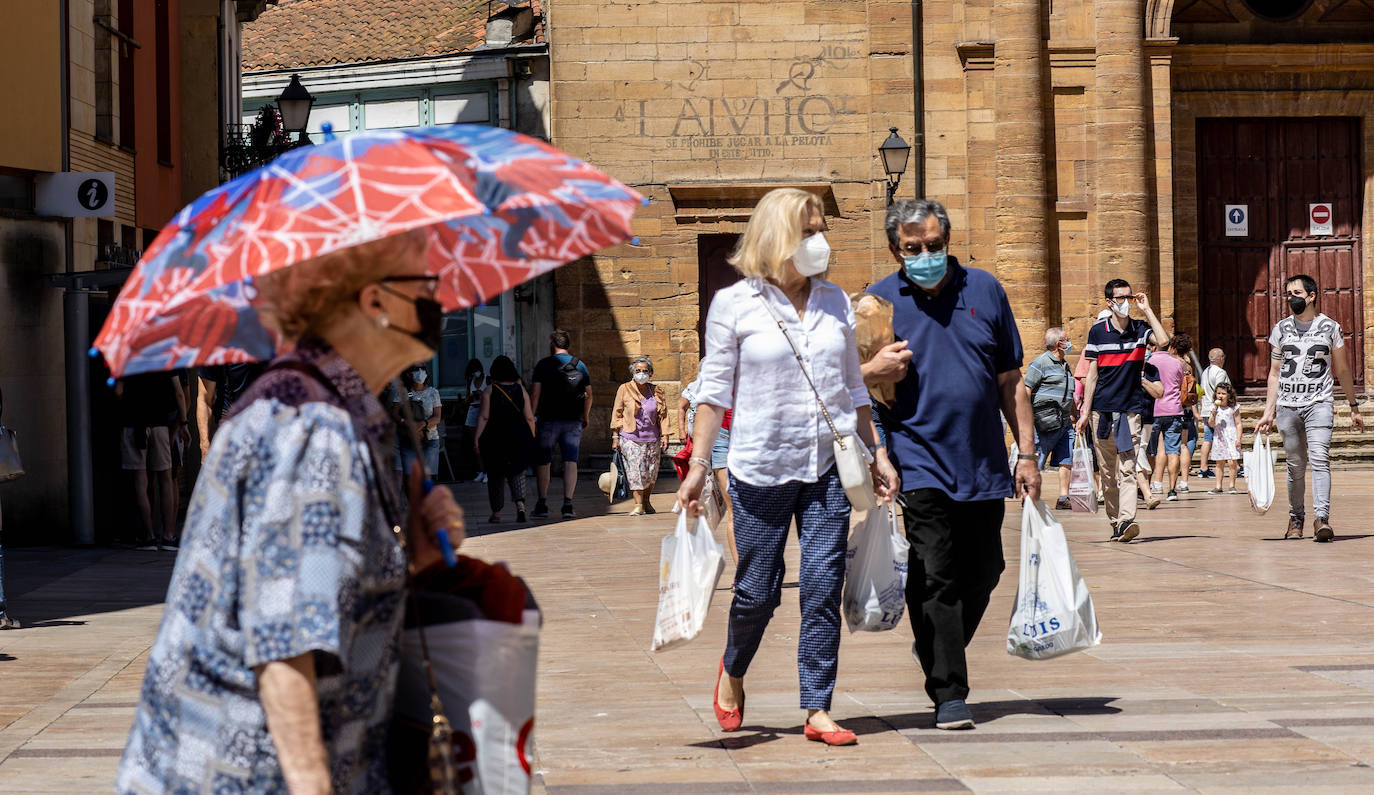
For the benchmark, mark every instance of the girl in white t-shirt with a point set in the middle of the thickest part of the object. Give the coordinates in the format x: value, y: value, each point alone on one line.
x: 1226, y: 427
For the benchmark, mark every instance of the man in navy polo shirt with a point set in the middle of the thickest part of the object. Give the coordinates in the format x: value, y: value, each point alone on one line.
x: 1113, y: 397
x: 945, y: 437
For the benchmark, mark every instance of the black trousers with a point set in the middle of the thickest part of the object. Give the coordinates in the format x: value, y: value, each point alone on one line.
x: 956, y: 560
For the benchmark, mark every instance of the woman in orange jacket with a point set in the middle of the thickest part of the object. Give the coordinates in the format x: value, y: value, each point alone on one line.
x: 639, y: 423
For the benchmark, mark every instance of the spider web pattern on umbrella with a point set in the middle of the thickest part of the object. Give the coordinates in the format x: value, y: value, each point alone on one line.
x: 500, y: 209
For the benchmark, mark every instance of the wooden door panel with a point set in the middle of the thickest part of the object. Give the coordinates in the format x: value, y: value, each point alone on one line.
x: 1278, y: 167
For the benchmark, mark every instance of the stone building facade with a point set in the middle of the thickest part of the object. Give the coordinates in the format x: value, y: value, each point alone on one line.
x: 1072, y: 141
x: 703, y: 107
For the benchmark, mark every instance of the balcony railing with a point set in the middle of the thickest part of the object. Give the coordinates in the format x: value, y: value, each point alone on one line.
x: 248, y: 146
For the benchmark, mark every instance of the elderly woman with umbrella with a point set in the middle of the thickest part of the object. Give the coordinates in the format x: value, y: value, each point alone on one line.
x: 276, y: 664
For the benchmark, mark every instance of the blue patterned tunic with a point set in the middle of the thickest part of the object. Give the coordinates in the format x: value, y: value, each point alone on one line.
x: 286, y: 551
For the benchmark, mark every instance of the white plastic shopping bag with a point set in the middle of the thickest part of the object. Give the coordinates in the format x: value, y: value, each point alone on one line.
x: 1054, y: 611
x: 1011, y: 458
x: 1082, y: 492
x: 1259, y: 474
x: 689, y: 568
x: 485, y: 669
x: 875, y: 573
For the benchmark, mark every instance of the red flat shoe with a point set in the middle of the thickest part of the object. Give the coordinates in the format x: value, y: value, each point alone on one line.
x: 837, y: 737
x: 729, y: 719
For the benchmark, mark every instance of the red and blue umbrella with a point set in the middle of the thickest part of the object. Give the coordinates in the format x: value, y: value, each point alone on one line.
x: 500, y: 208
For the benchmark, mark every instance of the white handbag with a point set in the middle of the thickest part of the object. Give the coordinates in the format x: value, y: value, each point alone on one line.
x: 852, y: 458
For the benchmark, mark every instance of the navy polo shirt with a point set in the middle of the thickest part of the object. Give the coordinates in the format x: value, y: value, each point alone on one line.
x: 946, y: 430
x: 1120, y: 357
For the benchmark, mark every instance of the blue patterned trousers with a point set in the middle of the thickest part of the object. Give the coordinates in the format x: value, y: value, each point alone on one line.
x: 762, y: 515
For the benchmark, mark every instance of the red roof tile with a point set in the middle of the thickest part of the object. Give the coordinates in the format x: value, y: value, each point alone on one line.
x: 299, y: 33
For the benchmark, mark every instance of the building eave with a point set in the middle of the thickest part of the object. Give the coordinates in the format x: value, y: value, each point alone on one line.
x: 483, y: 64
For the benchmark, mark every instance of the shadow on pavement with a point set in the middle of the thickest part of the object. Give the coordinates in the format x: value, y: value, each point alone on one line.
x: 984, y: 712
x: 47, y: 586
x: 1164, y: 538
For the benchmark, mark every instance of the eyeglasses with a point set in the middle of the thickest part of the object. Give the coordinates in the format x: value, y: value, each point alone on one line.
x: 431, y: 282
x: 917, y: 246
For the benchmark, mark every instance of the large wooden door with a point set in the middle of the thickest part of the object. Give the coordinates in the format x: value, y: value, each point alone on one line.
x: 713, y: 273
x: 1276, y: 169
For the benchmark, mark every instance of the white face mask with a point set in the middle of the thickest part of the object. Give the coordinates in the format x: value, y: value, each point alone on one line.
x: 419, y: 376
x: 641, y: 378
x: 812, y: 256
x: 1122, y: 308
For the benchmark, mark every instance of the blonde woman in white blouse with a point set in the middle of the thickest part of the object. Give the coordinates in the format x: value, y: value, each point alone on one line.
x: 781, y: 463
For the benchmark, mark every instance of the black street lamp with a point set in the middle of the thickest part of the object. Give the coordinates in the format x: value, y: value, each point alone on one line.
x: 895, y: 153
x: 295, y: 103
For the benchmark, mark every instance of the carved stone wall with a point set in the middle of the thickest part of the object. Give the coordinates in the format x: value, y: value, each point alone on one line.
x: 703, y: 106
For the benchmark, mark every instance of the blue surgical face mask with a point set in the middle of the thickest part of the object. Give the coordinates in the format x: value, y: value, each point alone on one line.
x: 925, y: 269
x: 1066, y: 346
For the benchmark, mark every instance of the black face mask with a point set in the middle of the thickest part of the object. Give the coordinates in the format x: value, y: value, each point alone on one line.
x: 1297, y: 303
x: 431, y: 316
x: 429, y: 313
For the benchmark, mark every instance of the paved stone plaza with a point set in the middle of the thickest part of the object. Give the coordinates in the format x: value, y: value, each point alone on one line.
x: 1230, y: 660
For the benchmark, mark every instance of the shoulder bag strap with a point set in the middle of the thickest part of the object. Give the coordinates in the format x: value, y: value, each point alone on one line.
x: 507, y: 396
x: 782, y: 326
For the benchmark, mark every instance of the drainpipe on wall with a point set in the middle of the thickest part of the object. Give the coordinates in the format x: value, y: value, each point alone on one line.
x: 918, y: 136
x: 77, y: 328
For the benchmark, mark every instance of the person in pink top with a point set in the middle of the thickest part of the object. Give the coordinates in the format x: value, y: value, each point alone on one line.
x: 1164, y: 384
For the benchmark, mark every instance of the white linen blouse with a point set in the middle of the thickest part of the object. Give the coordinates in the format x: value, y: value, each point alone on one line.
x: 778, y: 433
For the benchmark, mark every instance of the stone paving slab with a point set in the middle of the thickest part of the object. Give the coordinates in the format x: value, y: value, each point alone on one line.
x: 1231, y: 662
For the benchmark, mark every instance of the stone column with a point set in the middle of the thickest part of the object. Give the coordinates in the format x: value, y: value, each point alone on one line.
x: 1123, y: 200
x: 1020, y: 163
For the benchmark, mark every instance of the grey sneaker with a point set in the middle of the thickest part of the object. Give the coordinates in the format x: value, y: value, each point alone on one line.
x: 1129, y: 530
x: 8, y: 623
x: 953, y: 714
x: 1173, y: 496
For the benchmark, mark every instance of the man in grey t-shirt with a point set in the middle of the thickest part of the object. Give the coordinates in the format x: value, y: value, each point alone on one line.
x: 1304, y: 349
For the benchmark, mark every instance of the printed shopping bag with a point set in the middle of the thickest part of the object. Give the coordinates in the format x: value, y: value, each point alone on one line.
x: 1259, y: 474
x: 875, y: 567
x: 1082, y: 492
x: 481, y: 629
x: 1054, y: 611
x: 689, y: 568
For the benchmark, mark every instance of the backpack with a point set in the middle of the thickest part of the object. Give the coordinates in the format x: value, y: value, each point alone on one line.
x: 574, y: 381
x: 1188, y: 387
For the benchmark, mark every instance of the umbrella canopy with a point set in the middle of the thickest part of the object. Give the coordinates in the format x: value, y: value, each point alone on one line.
x: 500, y: 208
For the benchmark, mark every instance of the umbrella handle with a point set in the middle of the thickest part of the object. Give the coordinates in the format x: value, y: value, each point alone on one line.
x: 445, y: 544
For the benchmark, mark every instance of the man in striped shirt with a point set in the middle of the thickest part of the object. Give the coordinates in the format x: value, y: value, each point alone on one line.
x: 1113, y: 397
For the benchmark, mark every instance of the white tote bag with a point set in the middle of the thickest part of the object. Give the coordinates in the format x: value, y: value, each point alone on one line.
x: 1259, y: 474
x: 1054, y: 611
x: 1082, y: 492
x: 875, y: 573
x: 485, y: 671
x: 690, y: 565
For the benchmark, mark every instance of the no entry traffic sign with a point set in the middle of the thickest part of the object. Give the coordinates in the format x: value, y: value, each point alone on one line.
x: 1319, y: 219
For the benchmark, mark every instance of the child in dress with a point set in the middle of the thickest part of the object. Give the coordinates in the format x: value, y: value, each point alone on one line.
x: 1225, y: 423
